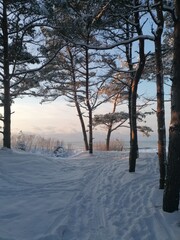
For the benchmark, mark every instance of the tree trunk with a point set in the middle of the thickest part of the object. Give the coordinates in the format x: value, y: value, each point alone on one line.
x: 111, y: 123
x: 7, y: 116
x: 80, y: 115
x: 161, y: 128
x: 90, y: 118
x: 90, y: 131
x: 78, y: 108
x: 160, y: 97
x: 6, y: 81
x: 86, y: 145
x: 172, y: 187
x: 133, y: 154
x: 108, y: 139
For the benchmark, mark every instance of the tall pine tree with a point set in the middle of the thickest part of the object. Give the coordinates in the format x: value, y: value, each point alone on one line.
x: 18, y: 33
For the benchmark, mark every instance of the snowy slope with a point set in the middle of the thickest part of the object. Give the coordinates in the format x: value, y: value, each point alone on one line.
x: 82, y: 198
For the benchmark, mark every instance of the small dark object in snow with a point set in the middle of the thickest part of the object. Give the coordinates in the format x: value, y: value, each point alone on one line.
x: 59, y: 152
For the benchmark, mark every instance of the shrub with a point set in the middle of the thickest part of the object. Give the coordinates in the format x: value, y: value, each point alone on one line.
x: 35, y: 143
x: 115, y: 145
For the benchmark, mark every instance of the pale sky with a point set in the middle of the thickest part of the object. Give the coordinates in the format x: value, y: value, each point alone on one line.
x: 52, y: 119
x: 60, y: 121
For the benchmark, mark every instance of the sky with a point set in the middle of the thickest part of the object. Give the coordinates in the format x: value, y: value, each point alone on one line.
x: 60, y: 121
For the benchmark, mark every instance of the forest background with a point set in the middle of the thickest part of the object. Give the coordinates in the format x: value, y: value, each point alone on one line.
x: 50, y: 121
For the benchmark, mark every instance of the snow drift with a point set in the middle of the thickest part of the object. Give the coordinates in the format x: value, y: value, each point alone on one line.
x: 82, y: 198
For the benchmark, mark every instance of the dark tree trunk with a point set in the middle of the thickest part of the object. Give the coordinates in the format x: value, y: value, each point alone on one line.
x: 160, y: 97
x: 90, y: 131
x: 78, y: 108
x: 111, y: 123
x: 90, y: 118
x: 133, y: 154
x: 86, y: 145
x: 172, y: 186
x: 108, y: 139
x: 161, y: 128
x: 7, y: 116
x: 6, y: 81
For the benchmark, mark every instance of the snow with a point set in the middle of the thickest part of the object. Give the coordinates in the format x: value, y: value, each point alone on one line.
x: 82, y: 197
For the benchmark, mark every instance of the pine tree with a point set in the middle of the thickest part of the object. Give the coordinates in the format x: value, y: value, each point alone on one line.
x: 78, y: 24
x: 18, y: 21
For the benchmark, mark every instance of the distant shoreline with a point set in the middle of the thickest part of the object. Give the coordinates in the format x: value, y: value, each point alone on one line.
x: 143, y: 145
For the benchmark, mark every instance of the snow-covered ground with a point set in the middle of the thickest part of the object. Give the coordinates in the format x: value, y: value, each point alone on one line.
x: 82, y: 198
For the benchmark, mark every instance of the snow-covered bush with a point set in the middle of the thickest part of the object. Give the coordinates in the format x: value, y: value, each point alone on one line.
x: 20, y: 144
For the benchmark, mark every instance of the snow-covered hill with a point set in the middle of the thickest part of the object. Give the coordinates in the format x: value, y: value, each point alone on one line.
x: 82, y: 198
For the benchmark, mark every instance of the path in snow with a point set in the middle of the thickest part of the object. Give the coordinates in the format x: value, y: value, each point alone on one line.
x: 82, y: 198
